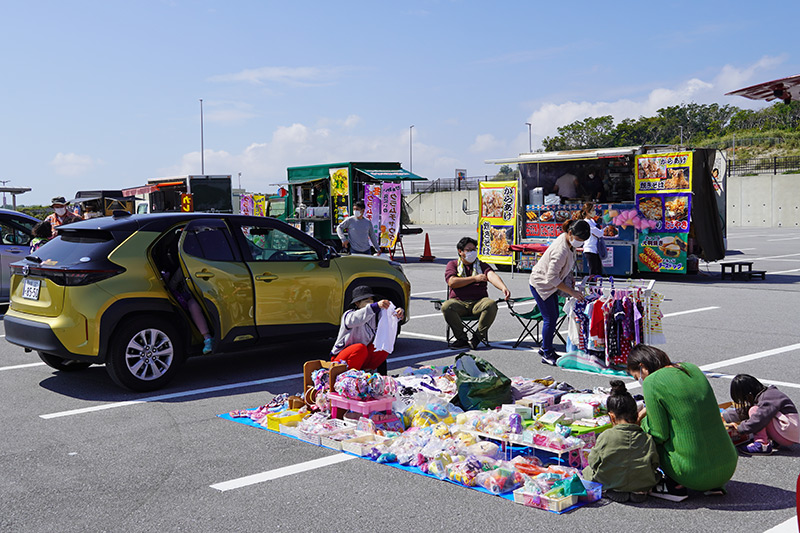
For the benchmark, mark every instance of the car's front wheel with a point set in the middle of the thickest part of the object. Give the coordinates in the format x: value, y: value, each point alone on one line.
x: 64, y: 365
x: 144, y: 354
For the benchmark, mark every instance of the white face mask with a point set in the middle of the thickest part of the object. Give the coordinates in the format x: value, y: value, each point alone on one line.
x: 357, y: 214
x: 60, y: 211
x: 577, y: 243
x: 471, y: 256
x: 591, y: 176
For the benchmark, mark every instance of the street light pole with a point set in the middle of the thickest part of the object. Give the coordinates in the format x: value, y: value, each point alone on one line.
x: 202, y: 149
x: 4, y: 192
x: 530, y: 139
x: 411, y: 148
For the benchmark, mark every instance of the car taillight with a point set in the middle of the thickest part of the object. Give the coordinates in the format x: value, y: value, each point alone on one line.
x: 68, y: 278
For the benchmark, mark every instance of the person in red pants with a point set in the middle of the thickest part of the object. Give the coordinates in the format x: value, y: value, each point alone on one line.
x: 354, y: 345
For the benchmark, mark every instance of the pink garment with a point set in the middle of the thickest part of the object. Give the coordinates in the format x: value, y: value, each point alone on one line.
x: 783, y: 429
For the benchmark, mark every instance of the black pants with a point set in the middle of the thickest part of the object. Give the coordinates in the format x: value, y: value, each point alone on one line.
x: 595, y: 263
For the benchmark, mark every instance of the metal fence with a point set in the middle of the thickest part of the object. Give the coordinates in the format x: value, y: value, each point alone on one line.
x: 765, y: 165
x: 448, y: 184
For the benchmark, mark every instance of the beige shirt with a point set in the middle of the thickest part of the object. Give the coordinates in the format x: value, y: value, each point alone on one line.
x: 553, y: 268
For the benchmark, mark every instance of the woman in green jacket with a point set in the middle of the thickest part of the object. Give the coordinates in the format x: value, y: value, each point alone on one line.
x: 682, y: 416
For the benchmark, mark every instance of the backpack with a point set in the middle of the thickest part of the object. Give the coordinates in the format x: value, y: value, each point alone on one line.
x: 602, y: 251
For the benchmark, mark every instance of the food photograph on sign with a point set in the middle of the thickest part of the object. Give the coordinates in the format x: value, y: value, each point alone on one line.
x: 663, y: 252
x: 664, y: 172
x: 497, y: 240
x: 651, y: 207
x: 492, y: 203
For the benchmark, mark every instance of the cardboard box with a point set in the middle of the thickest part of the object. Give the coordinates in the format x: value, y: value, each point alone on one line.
x: 310, y: 366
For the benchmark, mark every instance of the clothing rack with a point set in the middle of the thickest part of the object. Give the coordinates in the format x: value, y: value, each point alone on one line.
x: 590, y: 284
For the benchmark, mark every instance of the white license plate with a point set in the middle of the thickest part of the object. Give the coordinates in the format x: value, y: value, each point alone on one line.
x: 30, y: 289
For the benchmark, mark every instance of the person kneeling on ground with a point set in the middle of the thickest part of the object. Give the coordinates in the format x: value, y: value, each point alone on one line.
x: 625, y: 459
x: 354, y: 345
x: 467, y: 279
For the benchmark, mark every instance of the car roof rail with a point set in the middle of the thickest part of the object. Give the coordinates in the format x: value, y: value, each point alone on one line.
x: 118, y: 213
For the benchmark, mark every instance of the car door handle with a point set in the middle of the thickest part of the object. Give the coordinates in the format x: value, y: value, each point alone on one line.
x: 266, y: 276
x: 204, y: 274
x: 14, y: 251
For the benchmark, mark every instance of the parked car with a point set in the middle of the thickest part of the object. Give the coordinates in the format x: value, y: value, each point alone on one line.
x: 15, y: 228
x: 96, y: 293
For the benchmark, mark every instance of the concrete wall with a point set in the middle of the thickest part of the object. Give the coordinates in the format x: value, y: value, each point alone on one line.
x: 765, y: 200
x: 443, y: 208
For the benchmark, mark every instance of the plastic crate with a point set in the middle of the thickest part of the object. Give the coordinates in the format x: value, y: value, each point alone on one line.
x: 540, y: 501
x: 289, y: 428
x: 362, y: 445
x: 340, y: 403
x: 335, y: 439
x: 594, y: 491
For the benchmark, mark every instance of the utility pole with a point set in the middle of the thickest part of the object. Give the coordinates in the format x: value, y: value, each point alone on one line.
x: 411, y: 149
x: 202, y: 150
x: 4, y: 192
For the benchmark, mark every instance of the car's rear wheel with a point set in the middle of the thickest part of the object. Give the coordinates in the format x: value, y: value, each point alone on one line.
x: 145, y: 354
x: 64, y: 365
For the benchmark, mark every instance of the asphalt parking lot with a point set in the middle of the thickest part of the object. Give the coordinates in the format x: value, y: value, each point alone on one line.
x: 80, y: 454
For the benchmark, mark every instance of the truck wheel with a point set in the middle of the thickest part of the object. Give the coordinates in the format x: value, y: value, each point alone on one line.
x: 64, y: 365
x: 145, y: 354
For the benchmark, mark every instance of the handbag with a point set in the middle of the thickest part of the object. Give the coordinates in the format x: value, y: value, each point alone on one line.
x: 602, y: 250
x: 480, y: 385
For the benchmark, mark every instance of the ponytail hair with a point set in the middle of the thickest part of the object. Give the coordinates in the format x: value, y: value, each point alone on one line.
x: 621, y: 403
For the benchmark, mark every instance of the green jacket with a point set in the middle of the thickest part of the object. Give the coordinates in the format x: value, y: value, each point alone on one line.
x: 683, y: 418
x: 624, y: 459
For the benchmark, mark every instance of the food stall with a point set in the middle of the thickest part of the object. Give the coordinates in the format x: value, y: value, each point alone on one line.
x: 322, y: 196
x: 658, y: 207
x: 102, y: 203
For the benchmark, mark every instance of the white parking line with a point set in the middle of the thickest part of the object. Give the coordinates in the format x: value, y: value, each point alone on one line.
x: 430, y: 292
x: 690, y: 311
x: 790, y: 526
x: 15, y: 367
x: 269, y: 475
x: 499, y: 306
x: 785, y: 271
x: 784, y: 239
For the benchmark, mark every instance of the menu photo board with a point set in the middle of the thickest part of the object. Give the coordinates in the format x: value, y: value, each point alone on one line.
x: 663, y: 173
x: 340, y: 191
x: 497, y: 221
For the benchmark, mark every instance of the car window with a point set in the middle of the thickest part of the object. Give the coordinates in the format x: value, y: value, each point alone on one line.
x: 270, y: 244
x: 208, y: 241
x: 11, y: 234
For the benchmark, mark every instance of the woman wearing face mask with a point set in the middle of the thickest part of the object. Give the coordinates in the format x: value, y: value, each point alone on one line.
x: 60, y: 215
x: 553, y: 273
x: 683, y: 418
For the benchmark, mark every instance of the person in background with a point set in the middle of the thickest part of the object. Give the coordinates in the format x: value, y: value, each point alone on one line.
x: 41, y: 234
x: 624, y: 459
x: 590, y: 246
x: 467, y: 279
x: 682, y: 415
x: 60, y: 215
x: 593, y: 187
x: 566, y: 186
x: 360, y: 233
x: 320, y: 193
x: 765, y: 412
x: 354, y: 344
x: 553, y: 273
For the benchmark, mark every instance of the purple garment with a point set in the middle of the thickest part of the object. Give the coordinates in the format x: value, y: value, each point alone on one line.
x: 469, y: 293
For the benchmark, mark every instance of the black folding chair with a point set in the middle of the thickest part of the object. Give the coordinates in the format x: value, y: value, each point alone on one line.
x: 470, y: 323
x: 531, y: 320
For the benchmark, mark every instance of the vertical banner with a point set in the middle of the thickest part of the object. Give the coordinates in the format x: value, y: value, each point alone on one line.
x: 663, y: 191
x: 497, y: 221
x: 259, y: 205
x: 340, y: 190
x: 391, y: 196
x: 461, y: 175
x: 372, y: 201
x: 246, y: 204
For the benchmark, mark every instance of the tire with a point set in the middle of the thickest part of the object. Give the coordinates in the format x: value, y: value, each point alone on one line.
x: 64, y: 365
x: 144, y: 354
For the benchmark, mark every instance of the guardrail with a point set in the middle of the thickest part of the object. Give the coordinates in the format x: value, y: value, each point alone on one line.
x: 764, y: 165
x: 448, y: 184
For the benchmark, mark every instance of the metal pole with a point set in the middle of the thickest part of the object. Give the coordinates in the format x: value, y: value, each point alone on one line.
x: 4, y: 192
x: 202, y: 149
x: 410, y: 149
x: 530, y: 139
x: 733, y: 166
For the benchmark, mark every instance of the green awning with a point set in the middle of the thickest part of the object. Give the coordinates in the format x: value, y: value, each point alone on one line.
x: 300, y: 181
x: 398, y: 174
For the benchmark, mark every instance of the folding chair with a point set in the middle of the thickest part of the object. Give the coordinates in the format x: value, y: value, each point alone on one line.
x: 470, y: 323
x: 531, y: 321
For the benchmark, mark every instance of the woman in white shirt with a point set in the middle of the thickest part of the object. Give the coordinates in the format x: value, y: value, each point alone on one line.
x: 590, y: 246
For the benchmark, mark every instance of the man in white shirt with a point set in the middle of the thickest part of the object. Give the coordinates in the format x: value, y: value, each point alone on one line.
x: 567, y: 186
x: 360, y: 233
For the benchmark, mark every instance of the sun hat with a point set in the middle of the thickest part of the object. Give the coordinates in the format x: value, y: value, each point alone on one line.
x: 60, y: 200
x: 362, y: 292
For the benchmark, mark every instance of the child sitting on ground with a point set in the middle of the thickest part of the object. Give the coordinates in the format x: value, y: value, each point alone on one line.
x: 624, y: 459
x: 765, y: 412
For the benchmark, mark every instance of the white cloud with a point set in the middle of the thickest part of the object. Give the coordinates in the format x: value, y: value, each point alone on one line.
x: 296, y: 76
x: 72, y: 164
x: 550, y: 116
x: 264, y: 163
x: 486, y: 143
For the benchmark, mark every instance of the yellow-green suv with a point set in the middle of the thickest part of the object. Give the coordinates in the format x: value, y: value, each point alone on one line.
x: 99, y: 292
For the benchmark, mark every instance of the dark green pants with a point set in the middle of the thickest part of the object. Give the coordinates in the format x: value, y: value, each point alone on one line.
x: 453, y: 310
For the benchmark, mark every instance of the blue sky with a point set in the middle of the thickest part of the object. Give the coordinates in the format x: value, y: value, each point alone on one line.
x: 105, y: 94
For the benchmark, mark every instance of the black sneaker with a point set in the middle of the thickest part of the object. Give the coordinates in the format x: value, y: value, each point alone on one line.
x: 617, y: 496
x: 459, y: 344
x: 475, y: 342
x: 667, y: 489
x: 549, y: 358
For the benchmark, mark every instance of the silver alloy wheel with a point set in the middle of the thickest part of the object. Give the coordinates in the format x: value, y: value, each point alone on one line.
x: 149, y: 354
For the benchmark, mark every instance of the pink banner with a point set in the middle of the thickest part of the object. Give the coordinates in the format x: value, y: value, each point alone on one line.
x: 391, y: 196
x: 372, y: 201
x: 246, y: 204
